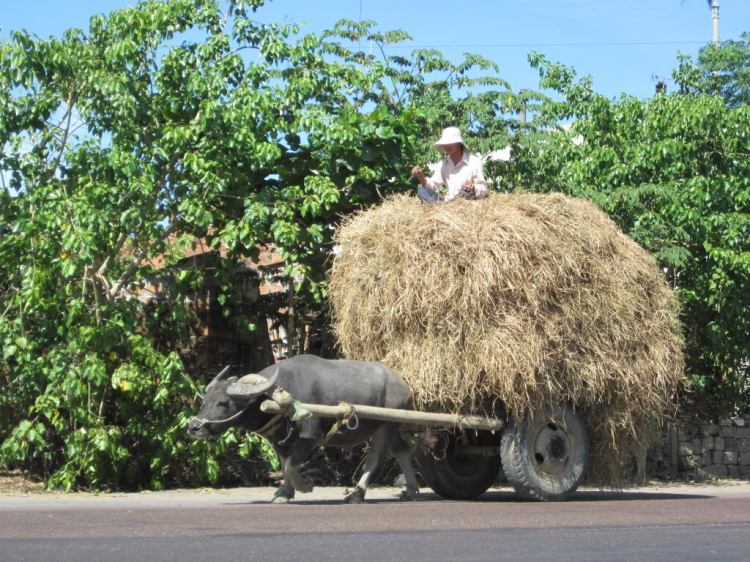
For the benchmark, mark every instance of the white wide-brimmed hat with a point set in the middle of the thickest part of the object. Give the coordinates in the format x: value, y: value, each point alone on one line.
x: 451, y: 135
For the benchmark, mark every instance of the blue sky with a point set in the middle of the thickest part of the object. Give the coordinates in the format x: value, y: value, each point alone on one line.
x: 621, y: 44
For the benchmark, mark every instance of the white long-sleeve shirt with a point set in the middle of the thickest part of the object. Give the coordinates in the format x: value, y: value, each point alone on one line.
x: 454, y: 175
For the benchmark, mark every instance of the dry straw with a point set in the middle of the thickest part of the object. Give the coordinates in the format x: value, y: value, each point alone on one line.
x: 514, y: 301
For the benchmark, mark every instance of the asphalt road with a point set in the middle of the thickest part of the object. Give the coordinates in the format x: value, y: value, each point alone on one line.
x: 700, y: 522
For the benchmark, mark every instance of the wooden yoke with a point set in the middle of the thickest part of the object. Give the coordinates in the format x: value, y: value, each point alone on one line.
x: 282, y: 400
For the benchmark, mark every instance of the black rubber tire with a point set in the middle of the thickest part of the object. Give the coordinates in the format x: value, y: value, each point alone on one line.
x: 545, y: 458
x: 460, y: 478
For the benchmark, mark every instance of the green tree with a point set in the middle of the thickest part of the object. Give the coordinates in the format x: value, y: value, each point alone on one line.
x: 673, y: 172
x: 125, y: 142
x: 149, y: 126
x: 723, y: 70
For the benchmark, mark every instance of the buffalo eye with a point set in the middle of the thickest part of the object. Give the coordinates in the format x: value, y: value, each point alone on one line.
x: 223, y: 404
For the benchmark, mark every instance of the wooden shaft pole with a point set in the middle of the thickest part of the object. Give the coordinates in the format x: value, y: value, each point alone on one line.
x: 393, y: 415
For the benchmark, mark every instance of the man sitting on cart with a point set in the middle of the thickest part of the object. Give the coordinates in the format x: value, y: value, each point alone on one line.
x: 462, y: 173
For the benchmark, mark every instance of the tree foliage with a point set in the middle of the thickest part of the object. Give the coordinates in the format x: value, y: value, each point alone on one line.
x: 673, y: 171
x: 122, y: 144
x: 722, y: 70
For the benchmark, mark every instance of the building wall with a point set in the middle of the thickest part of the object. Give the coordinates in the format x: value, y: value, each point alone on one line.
x: 694, y: 449
x: 211, y: 340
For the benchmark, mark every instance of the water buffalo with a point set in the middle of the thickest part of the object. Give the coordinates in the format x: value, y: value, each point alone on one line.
x: 312, y: 380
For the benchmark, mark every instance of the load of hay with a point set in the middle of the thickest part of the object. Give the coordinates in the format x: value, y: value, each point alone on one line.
x: 518, y: 300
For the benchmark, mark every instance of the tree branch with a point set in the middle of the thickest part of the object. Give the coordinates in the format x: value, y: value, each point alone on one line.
x: 10, y: 305
x: 83, y: 287
x: 131, y: 269
x: 97, y: 301
x: 114, y: 252
x: 238, y: 49
x: 290, y: 330
x: 64, y: 138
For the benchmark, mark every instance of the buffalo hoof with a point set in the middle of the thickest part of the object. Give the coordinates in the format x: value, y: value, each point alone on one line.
x: 305, y: 486
x: 407, y: 496
x: 281, y: 497
x: 356, y: 496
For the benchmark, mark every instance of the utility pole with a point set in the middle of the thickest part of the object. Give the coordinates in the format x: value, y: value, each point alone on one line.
x: 715, y: 16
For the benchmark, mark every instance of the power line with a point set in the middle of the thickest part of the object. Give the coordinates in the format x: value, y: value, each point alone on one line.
x: 511, y: 45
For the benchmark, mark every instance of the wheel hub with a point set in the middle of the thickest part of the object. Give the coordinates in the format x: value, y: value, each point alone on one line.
x: 551, y: 449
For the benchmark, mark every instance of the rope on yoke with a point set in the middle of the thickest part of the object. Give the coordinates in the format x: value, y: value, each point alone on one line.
x: 292, y: 410
x: 351, y: 417
x: 350, y: 413
x: 271, y: 423
x: 289, y: 411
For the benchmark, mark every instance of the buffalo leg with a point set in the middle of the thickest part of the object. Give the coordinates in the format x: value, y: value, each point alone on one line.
x: 372, y: 460
x: 293, y: 464
x: 290, y: 466
x: 400, y: 449
x: 286, y: 492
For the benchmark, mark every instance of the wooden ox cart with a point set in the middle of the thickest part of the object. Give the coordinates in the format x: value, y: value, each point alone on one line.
x: 544, y: 457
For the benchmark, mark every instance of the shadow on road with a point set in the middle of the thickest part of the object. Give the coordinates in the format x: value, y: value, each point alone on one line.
x: 508, y: 496
x: 592, y: 495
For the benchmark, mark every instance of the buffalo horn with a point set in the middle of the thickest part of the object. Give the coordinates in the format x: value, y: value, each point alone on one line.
x: 245, y: 391
x: 222, y: 375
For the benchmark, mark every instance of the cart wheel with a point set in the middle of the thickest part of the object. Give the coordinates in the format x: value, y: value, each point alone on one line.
x: 545, y: 458
x: 462, y: 477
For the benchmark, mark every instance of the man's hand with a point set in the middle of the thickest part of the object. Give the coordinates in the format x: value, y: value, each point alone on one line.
x: 417, y: 172
x: 468, y: 188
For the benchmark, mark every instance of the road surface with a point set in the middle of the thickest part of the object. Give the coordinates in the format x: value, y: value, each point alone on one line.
x: 664, y: 522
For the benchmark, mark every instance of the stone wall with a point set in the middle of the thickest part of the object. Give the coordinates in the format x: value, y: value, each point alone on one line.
x: 691, y: 449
